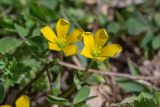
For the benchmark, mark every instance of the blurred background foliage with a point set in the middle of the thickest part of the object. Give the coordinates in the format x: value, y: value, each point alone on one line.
x: 134, y: 24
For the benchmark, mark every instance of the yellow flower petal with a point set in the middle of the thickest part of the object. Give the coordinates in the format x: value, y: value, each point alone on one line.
x: 101, y: 37
x: 88, y: 40
x: 102, y: 58
x: 62, y: 28
x: 86, y: 52
x: 70, y: 50
x: 75, y: 36
x: 111, y: 50
x: 53, y: 46
x: 5, y: 106
x: 48, y: 33
x: 23, y: 101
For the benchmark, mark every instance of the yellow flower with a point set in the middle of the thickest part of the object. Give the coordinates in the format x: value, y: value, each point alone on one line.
x: 94, y: 46
x: 5, y: 106
x: 62, y: 41
x: 22, y: 101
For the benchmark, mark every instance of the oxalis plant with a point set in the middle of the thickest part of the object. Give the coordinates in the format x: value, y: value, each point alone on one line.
x: 65, y: 42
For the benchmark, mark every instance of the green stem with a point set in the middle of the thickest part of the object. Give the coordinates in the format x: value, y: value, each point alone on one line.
x: 72, y: 87
x: 49, y: 78
x: 38, y: 75
x: 69, y: 91
x: 88, y: 67
x: 61, y: 55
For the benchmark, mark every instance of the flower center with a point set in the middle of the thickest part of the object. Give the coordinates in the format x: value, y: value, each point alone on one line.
x: 95, y: 52
x: 61, y: 42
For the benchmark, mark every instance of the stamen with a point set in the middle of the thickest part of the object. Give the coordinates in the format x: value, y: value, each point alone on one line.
x: 61, y: 42
x: 95, y: 52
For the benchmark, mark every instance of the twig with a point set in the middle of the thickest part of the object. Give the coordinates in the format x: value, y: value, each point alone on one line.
x: 108, y: 73
x: 76, y: 61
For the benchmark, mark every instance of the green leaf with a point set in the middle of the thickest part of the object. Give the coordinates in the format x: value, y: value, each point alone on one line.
x: 21, y: 30
x: 148, y: 53
x: 113, y: 27
x: 156, y: 18
x: 147, y: 39
x: 36, y: 12
x: 102, y: 20
x: 102, y: 66
x: 157, y: 96
x: 35, y: 41
x: 32, y: 63
x: 133, y: 68
x: 7, y: 2
x: 145, y: 102
x: 51, y: 4
x: 57, y: 100
x: 142, y: 100
x: 127, y: 85
x: 36, y: 32
x: 95, y: 79
x: 157, y: 2
x: 156, y: 42
x: 128, y: 100
x: 77, y: 81
x: 7, y: 23
x: 56, y: 86
x: 81, y: 105
x: 9, y: 44
x: 145, y: 95
x: 29, y: 23
x: 135, y: 26
x: 2, y: 93
x: 82, y: 95
x: 119, y: 17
